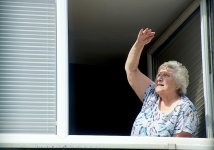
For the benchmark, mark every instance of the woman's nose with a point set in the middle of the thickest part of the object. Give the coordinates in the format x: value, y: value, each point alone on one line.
x: 159, y: 79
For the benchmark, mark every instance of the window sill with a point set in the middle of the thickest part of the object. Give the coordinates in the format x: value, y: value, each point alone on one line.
x: 107, y: 142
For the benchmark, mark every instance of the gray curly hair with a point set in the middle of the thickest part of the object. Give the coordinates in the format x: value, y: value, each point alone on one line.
x: 181, y: 75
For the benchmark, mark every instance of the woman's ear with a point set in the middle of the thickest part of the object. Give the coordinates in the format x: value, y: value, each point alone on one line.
x: 179, y: 90
x: 178, y: 87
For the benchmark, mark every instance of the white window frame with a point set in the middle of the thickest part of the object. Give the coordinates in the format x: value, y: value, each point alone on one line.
x: 63, y: 140
x: 207, y: 75
x: 62, y: 69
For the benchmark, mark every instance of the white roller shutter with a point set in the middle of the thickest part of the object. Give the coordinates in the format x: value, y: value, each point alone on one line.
x: 28, y: 66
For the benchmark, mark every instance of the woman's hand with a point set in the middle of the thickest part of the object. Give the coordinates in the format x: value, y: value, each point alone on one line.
x: 145, y: 36
x: 182, y: 134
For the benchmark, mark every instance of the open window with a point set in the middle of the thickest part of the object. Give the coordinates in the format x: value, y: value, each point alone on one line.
x: 100, y: 86
x: 97, y: 54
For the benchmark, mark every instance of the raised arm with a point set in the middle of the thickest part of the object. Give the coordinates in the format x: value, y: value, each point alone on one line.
x: 137, y: 80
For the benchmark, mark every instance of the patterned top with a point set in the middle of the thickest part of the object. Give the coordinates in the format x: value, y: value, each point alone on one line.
x: 152, y: 122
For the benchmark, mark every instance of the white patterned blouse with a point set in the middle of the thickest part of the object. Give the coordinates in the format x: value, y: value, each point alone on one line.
x: 152, y: 122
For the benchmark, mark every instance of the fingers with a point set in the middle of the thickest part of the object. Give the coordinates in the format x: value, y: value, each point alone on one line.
x: 148, y: 32
x: 141, y: 32
x: 145, y: 35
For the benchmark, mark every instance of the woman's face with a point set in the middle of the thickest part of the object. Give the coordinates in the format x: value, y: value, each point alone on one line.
x: 165, y: 82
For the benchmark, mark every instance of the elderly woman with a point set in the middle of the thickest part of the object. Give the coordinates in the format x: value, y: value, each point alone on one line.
x: 166, y: 111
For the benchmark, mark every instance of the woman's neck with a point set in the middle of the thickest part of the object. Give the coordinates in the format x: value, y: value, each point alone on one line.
x: 168, y: 103
x: 169, y: 99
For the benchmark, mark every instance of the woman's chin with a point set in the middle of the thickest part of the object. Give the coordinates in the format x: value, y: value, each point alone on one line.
x: 159, y: 90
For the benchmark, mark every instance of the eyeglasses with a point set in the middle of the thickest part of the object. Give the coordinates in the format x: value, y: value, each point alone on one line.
x: 163, y: 75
